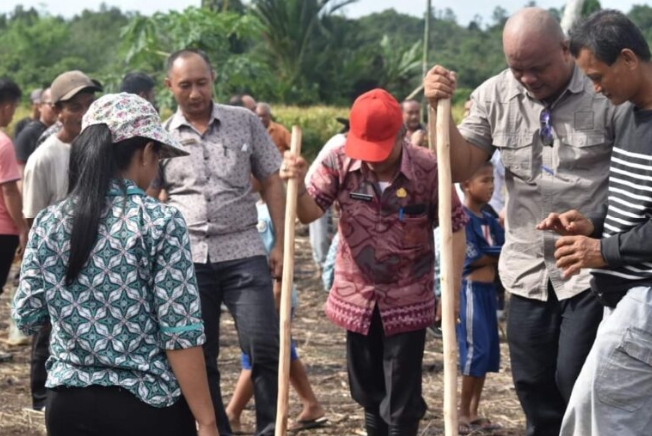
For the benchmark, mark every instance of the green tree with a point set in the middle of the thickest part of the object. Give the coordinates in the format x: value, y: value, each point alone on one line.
x: 148, y: 41
x: 590, y: 6
x: 290, y: 29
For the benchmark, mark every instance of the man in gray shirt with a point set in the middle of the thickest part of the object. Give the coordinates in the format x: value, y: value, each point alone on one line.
x: 212, y: 189
x: 555, y: 136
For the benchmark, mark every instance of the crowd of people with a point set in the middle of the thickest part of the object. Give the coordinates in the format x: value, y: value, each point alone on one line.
x: 136, y: 234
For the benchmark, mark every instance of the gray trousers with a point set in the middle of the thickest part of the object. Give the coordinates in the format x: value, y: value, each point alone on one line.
x: 613, y: 393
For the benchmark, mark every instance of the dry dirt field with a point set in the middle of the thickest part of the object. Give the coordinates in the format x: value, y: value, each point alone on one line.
x: 321, y: 347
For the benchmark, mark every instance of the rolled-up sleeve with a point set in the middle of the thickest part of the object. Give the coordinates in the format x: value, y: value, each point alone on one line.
x: 175, y: 289
x: 476, y: 128
x: 29, y: 308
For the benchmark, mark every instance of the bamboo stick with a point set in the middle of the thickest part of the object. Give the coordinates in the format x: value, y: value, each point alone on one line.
x: 286, y: 295
x: 439, y: 123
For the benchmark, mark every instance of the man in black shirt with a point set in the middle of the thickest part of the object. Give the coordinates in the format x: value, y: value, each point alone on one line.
x: 613, y: 393
x: 35, y: 99
x: 27, y: 140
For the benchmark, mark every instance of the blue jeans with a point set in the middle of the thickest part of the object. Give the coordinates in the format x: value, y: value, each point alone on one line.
x: 245, y: 286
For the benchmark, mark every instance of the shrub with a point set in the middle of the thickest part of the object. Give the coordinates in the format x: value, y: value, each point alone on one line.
x: 318, y: 124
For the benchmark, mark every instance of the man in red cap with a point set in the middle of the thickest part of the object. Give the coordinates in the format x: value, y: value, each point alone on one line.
x: 382, y: 291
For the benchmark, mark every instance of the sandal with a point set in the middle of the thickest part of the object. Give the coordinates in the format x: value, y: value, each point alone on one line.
x: 466, y: 428
x: 485, y: 424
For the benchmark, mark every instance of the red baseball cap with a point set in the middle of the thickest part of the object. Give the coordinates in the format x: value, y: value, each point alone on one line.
x: 375, y: 120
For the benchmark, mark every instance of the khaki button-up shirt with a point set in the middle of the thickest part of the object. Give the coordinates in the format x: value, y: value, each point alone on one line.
x: 212, y: 186
x: 570, y: 174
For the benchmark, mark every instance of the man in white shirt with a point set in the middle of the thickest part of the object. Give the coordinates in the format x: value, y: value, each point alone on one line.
x: 46, y: 182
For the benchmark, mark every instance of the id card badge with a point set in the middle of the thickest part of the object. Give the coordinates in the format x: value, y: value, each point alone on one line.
x: 360, y: 196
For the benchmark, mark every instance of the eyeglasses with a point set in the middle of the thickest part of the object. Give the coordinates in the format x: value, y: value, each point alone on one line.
x: 545, y: 132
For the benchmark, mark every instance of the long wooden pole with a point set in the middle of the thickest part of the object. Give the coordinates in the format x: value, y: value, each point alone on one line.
x: 447, y: 276
x: 286, y: 295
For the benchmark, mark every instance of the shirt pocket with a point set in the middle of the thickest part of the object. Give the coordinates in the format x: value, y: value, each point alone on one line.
x: 415, y: 231
x: 517, y: 155
x: 233, y: 163
x: 583, y: 150
x: 625, y: 379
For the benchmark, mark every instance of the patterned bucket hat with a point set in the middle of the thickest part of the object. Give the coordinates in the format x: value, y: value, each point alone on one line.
x: 129, y: 116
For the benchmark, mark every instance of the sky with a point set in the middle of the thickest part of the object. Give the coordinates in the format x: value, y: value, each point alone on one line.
x: 465, y: 10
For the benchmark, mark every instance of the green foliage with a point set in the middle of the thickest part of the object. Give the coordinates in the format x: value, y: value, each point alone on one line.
x: 148, y: 41
x: 590, y: 6
x: 641, y: 15
x: 318, y: 124
x: 296, y: 52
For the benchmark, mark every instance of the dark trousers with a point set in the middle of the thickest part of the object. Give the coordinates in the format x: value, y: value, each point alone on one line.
x: 8, y: 246
x: 113, y: 411
x: 245, y: 286
x: 385, y: 378
x: 37, y: 372
x: 548, y: 344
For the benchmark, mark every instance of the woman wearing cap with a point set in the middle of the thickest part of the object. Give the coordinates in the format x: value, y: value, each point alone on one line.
x: 111, y: 269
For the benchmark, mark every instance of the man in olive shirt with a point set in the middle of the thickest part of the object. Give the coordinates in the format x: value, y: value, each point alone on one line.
x: 212, y: 189
x: 555, y: 136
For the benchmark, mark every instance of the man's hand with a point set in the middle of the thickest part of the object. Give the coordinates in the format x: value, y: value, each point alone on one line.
x: 574, y: 253
x: 207, y: 430
x: 22, y: 241
x: 276, y: 261
x: 457, y: 308
x: 568, y: 223
x: 439, y: 84
x: 293, y: 167
x: 276, y: 286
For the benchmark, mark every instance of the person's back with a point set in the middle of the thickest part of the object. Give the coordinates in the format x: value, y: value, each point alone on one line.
x: 108, y: 327
x: 110, y: 269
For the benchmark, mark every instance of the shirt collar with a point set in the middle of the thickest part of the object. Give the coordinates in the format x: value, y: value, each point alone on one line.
x: 575, y: 86
x: 178, y: 119
x: 406, y: 168
x: 117, y: 188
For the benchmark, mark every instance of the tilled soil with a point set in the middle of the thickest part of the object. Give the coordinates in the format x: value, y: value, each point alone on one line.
x: 321, y: 348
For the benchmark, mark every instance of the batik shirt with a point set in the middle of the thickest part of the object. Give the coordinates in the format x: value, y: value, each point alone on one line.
x: 134, y: 298
x: 385, y: 256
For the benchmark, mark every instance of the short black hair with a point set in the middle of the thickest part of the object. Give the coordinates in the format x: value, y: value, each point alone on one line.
x: 183, y: 53
x: 9, y: 91
x: 236, y: 100
x: 137, y: 83
x: 606, y: 34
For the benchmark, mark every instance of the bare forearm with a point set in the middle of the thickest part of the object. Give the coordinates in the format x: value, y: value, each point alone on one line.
x: 307, y: 209
x: 190, y: 370
x: 465, y: 157
x: 14, y: 204
x: 274, y: 195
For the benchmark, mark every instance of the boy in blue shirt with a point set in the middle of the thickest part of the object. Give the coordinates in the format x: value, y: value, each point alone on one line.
x: 477, y: 332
